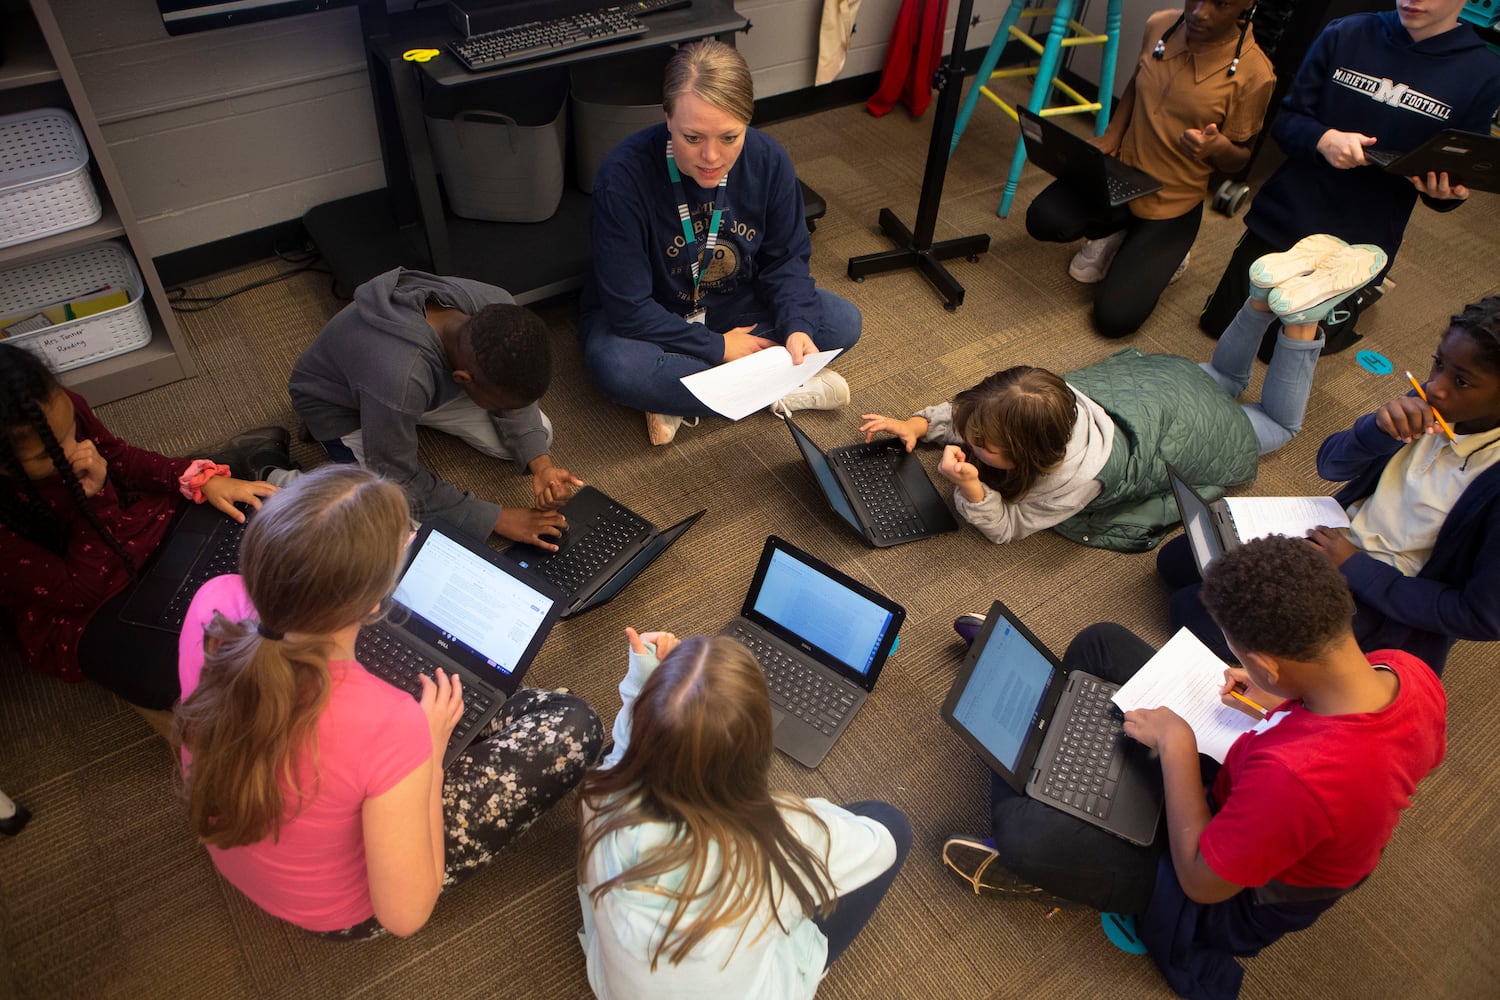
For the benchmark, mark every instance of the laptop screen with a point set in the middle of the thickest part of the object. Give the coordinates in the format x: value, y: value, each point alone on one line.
x: 472, y: 603
x: 823, y: 472
x: 1004, y: 693
x: 1197, y: 521
x: 823, y: 611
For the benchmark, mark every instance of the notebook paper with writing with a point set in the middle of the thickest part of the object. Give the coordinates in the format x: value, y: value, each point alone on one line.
x: 1185, y: 676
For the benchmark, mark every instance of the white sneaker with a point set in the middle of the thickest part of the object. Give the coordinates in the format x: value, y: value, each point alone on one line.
x: 826, y: 390
x: 661, y: 428
x: 1181, y: 268
x: 1091, y: 263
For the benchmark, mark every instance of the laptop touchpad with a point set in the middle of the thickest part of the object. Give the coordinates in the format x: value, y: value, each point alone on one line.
x: 776, y: 716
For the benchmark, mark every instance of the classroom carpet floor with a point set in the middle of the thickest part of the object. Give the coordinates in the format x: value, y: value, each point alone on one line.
x: 106, y: 893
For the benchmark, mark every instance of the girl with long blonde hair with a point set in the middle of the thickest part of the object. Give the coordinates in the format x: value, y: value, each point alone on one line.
x: 317, y: 787
x: 695, y: 878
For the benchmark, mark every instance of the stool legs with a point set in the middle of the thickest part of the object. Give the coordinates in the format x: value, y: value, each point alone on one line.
x: 1107, y: 66
x: 991, y: 57
x: 1041, y: 92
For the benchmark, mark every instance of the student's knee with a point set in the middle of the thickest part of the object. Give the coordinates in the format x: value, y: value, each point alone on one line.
x: 1175, y: 563
x: 892, y: 819
x: 575, y: 722
x: 842, y: 322
x: 1115, y: 317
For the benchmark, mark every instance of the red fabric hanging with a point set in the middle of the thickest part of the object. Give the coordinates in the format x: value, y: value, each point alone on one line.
x: 911, y: 57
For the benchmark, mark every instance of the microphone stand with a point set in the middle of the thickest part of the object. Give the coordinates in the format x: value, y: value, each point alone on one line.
x: 916, y: 248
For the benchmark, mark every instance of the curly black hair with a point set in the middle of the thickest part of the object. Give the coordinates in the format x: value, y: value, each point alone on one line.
x: 26, y: 383
x: 1481, y: 321
x: 512, y: 350
x: 1279, y: 596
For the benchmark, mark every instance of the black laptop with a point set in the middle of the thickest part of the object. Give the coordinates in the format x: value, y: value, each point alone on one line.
x: 461, y: 607
x: 879, y: 488
x: 1090, y: 170
x: 1053, y: 736
x: 201, y: 545
x: 821, y: 638
x: 1469, y: 158
x: 605, y: 547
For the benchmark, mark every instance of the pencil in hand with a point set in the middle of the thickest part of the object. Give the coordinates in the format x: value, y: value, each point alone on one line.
x: 1422, y: 394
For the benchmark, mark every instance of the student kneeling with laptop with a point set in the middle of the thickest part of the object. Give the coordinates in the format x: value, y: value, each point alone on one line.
x: 1297, y: 815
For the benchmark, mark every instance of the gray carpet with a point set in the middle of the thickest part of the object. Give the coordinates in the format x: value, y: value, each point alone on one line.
x: 106, y: 894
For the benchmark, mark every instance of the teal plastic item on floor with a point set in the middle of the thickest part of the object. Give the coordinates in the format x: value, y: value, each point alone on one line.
x: 1374, y: 362
x: 1120, y: 929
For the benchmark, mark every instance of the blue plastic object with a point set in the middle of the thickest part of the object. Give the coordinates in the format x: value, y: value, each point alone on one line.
x: 1120, y: 929
x: 1374, y: 362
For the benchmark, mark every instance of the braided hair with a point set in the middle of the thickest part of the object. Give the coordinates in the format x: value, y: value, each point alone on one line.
x: 1481, y: 321
x: 1159, y: 51
x: 25, y: 384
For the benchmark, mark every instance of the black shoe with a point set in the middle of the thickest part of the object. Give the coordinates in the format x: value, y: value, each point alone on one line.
x: 12, y: 824
x: 252, y: 452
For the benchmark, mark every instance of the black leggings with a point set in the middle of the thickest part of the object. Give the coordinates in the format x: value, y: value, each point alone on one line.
x: 1152, y: 252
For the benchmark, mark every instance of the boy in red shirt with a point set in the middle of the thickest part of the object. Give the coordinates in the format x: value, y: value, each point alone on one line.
x: 1300, y: 810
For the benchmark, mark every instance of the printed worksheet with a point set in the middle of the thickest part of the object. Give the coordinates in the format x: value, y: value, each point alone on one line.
x: 1257, y: 517
x: 1185, y: 676
x: 737, y: 389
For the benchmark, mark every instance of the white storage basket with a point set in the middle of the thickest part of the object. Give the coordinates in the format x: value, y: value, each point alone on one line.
x: 45, y: 186
x: 59, y: 279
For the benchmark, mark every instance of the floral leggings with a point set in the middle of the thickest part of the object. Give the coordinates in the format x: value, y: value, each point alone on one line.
x: 528, y: 757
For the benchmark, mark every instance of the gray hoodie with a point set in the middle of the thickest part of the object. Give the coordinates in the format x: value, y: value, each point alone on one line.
x: 1055, y: 496
x: 378, y: 366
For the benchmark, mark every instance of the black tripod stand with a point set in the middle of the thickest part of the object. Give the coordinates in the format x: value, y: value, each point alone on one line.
x: 916, y: 248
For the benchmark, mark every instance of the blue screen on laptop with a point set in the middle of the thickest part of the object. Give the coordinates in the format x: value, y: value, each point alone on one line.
x: 839, y: 621
x: 1004, y: 691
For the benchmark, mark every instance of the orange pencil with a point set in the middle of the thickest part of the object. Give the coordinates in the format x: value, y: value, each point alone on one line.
x: 1423, y: 396
x: 1235, y: 694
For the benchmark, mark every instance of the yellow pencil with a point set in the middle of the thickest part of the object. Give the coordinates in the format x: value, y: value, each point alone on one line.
x: 1247, y: 701
x: 1423, y: 395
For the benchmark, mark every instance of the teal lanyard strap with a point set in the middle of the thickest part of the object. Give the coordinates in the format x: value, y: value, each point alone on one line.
x: 691, y: 238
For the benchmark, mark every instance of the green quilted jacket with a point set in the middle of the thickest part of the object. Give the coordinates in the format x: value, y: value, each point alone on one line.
x: 1165, y: 409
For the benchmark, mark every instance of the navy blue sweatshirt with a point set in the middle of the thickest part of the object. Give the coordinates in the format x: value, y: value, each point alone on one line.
x: 641, y: 277
x: 1365, y: 74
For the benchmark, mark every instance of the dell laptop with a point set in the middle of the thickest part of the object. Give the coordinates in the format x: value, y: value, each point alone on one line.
x: 201, y: 545
x: 1073, y: 159
x: 1052, y: 735
x: 1468, y: 158
x: 821, y: 638
x: 879, y: 488
x: 605, y: 546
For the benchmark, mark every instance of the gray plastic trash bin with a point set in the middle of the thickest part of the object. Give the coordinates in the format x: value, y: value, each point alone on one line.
x: 612, y: 98
x: 501, y: 153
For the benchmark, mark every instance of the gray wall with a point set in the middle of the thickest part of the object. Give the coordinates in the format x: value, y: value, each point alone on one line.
x: 223, y: 132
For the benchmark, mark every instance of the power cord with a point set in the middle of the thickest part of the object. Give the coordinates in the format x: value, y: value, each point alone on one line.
x: 305, y: 259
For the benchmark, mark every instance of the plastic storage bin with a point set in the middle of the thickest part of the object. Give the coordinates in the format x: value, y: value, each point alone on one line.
x: 29, y: 288
x: 612, y: 98
x: 45, y: 186
x: 501, y: 153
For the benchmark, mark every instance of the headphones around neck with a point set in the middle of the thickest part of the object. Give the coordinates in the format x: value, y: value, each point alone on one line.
x: 1159, y: 52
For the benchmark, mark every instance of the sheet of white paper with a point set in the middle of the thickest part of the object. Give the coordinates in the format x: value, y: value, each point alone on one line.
x: 737, y: 389
x: 1185, y: 676
x: 1257, y: 517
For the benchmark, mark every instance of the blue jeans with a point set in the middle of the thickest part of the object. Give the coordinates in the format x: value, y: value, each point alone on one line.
x: 855, y: 908
x: 1283, y: 398
x: 642, y: 376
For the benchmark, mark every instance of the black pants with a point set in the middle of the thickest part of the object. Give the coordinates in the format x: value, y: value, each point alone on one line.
x: 1179, y: 571
x: 1058, y: 852
x: 1152, y: 251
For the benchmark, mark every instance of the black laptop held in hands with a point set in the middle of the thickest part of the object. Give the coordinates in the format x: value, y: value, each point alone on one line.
x: 879, y: 488
x: 204, y: 543
x: 1051, y: 735
x: 821, y: 638
x: 1084, y: 166
x: 1468, y: 158
x: 605, y: 547
x: 461, y: 607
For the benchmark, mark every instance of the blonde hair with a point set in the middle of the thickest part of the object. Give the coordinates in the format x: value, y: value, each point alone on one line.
x: 1027, y: 413
x: 713, y: 72
x: 317, y: 557
x: 700, y: 758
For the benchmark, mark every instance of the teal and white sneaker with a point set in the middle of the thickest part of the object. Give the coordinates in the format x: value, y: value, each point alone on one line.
x: 1309, y: 298
x: 1272, y: 269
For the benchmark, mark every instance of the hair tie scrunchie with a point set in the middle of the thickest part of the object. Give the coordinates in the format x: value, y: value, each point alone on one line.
x: 268, y: 633
x: 200, y: 471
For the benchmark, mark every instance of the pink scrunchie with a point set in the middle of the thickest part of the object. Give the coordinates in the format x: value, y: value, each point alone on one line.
x: 199, y: 472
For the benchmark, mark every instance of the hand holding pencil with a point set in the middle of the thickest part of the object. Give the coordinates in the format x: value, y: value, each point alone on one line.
x: 1422, y: 395
x: 1239, y: 693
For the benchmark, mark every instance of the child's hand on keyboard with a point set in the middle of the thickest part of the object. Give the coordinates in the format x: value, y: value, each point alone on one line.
x: 443, y: 702
x: 552, y: 485
x: 1159, y: 729
x: 906, y: 431
x: 535, y: 527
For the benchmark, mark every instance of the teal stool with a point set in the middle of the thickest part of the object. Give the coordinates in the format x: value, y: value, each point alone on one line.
x: 1065, y: 33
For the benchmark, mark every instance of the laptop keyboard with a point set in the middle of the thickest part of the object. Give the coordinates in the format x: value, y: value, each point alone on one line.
x: 1089, y: 755
x: 393, y: 661
x: 615, y: 530
x: 222, y: 556
x: 796, y: 688
x: 1123, y: 189
x: 872, y: 471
